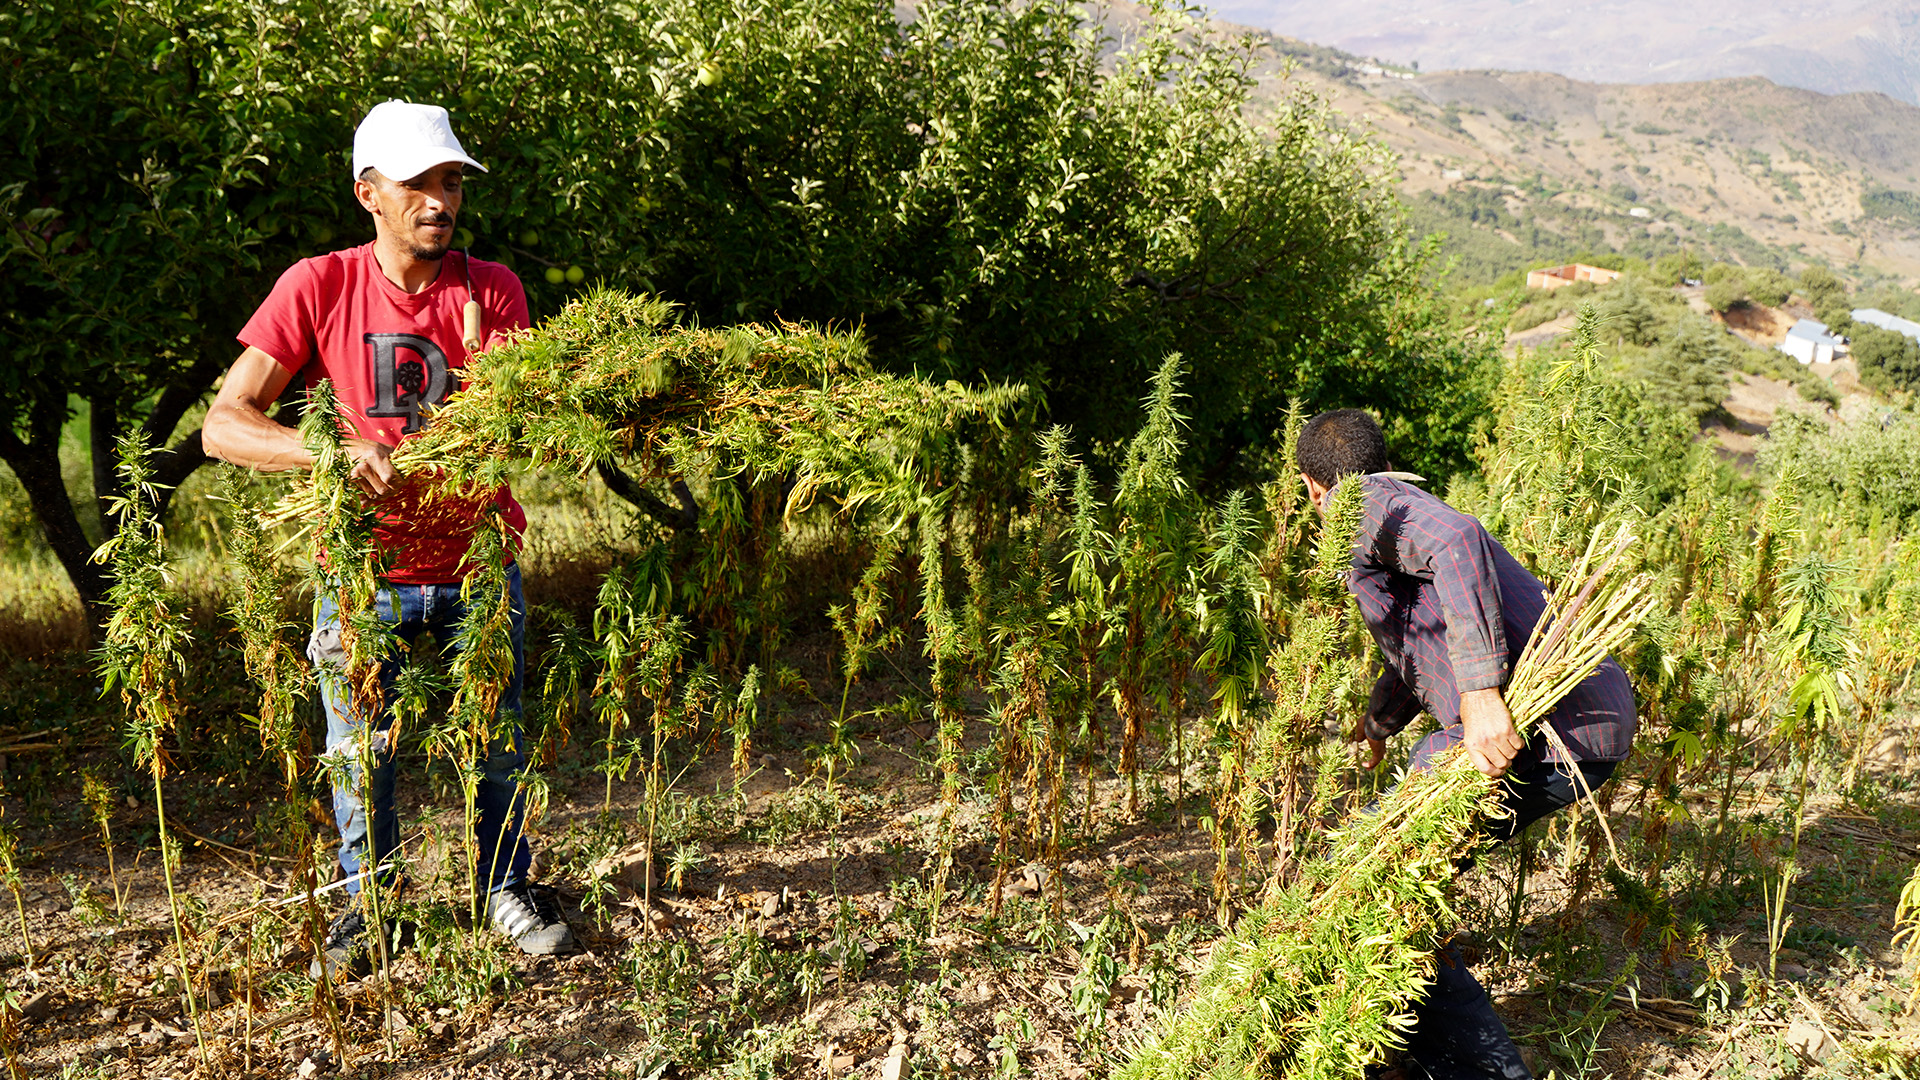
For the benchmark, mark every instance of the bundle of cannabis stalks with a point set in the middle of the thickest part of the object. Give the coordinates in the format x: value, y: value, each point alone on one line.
x: 1317, y: 982
x: 615, y: 377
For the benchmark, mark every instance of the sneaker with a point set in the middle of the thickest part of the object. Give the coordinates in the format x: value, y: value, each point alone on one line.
x: 352, y: 948
x: 530, y: 917
x: 349, y: 948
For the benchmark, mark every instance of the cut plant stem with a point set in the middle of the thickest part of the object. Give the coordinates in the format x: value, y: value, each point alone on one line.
x: 179, y: 923
x: 10, y: 869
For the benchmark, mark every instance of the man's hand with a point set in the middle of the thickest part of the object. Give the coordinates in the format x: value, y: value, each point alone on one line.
x: 1491, y: 739
x: 371, y: 468
x: 1376, y: 748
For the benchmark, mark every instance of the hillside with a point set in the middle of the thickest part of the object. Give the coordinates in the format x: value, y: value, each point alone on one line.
x: 1834, y: 46
x: 1523, y: 166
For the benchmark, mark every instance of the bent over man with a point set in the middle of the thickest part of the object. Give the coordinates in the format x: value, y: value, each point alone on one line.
x: 1451, y: 611
x: 384, y: 322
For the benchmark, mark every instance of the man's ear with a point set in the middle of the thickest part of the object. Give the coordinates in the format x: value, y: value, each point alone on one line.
x: 363, y: 190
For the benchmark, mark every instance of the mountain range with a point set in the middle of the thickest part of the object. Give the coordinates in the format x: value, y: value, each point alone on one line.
x: 1527, y: 166
x: 1833, y: 46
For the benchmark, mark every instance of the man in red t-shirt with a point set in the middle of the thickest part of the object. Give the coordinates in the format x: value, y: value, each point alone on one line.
x: 384, y: 322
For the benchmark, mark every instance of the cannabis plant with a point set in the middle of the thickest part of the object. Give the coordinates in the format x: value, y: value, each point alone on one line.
x: 1151, y: 547
x: 99, y: 801
x: 10, y: 877
x: 143, y: 655
x: 943, y: 646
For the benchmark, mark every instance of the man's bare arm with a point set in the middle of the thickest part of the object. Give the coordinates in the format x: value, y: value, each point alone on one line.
x: 239, y: 431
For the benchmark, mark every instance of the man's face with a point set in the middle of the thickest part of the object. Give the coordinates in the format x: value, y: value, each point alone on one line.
x: 1316, y: 494
x: 418, y: 213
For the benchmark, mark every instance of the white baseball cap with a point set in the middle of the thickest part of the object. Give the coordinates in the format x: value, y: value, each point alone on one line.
x: 403, y: 140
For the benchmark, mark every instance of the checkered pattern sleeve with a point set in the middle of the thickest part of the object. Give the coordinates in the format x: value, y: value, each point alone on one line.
x: 1391, y: 706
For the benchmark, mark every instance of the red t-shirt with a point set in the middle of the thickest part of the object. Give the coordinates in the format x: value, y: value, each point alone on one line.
x: 390, y: 352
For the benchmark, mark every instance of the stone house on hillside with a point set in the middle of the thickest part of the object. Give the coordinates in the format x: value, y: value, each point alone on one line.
x: 1553, y: 277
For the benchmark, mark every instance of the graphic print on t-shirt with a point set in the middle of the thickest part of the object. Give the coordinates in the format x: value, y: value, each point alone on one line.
x: 408, y: 371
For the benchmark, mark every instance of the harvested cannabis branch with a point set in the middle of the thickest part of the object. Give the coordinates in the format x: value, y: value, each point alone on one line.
x: 346, y: 570
x: 612, y: 376
x: 284, y: 679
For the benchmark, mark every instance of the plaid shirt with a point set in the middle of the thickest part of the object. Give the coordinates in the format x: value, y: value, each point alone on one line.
x: 1451, y: 610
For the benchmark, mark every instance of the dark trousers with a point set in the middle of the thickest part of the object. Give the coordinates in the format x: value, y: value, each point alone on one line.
x: 1456, y: 1034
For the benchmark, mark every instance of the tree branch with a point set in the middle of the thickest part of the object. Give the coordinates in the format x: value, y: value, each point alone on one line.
x: 687, y: 517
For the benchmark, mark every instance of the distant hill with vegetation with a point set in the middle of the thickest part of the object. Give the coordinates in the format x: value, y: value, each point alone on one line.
x: 1526, y: 167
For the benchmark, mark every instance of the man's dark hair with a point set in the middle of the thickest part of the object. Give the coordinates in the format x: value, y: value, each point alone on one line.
x: 1340, y: 443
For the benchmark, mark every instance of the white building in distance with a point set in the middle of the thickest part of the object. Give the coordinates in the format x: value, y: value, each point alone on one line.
x: 1810, y: 343
x: 1873, y: 316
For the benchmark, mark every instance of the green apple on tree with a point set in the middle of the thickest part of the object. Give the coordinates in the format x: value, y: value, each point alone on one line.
x: 575, y: 275
x: 555, y: 275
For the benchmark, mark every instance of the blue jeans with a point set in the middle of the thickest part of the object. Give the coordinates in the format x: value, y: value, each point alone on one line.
x: 1456, y: 1034
x: 410, y: 610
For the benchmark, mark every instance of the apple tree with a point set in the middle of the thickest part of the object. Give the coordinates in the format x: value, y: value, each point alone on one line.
x: 990, y: 191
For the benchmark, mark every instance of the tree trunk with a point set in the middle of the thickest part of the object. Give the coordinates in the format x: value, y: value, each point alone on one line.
x: 103, y: 437
x: 36, y: 461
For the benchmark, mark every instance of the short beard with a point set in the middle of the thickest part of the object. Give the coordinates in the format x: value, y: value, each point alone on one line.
x: 426, y: 254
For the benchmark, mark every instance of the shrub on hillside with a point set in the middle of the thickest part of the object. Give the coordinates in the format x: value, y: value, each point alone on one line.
x: 1827, y: 294
x: 1818, y: 390
x: 1897, y: 206
x: 1768, y: 286
x: 1888, y: 361
x: 1677, y: 266
x: 1535, y: 314
x: 1726, y: 293
x: 1626, y: 315
x: 1687, y: 374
